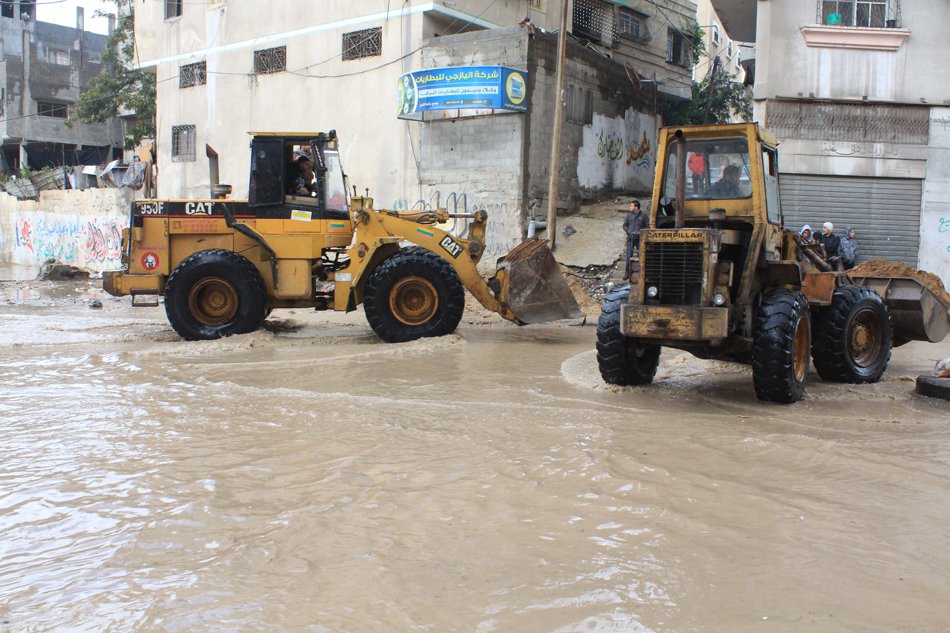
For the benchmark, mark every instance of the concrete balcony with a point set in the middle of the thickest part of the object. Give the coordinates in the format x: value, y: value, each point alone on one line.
x: 738, y: 17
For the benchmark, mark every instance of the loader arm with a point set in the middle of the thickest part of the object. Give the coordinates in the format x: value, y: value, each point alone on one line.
x: 376, y: 229
x: 527, y: 287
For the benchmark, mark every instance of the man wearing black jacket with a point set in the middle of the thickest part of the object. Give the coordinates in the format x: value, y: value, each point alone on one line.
x: 635, y: 221
x: 830, y: 244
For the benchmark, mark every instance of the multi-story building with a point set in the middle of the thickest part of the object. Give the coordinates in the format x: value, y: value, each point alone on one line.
x: 860, y: 100
x: 225, y: 69
x: 718, y: 44
x: 44, y: 69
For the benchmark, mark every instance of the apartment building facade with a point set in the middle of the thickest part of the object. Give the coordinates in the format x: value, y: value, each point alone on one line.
x: 861, y: 104
x: 224, y: 70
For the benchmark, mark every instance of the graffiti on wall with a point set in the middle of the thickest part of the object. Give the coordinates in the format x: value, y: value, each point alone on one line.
x: 90, y: 242
x: 944, y: 227
x: 615, y: 152
x: 502, y: 231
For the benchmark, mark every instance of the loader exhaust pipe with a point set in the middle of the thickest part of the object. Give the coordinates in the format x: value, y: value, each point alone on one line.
x: 678, y: 210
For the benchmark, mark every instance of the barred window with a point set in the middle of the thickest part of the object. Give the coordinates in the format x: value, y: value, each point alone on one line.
x: 579, y: 104
x: 632, y: 25
x: 365, y: 43
x: 172, y: 8
x: 183, y: 143
x: 193, y: 75
x: 270, y: 60
x: 52, y: 109
x: 867, y: 13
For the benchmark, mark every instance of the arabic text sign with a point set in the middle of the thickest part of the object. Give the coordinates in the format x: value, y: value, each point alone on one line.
x: 463, y: 87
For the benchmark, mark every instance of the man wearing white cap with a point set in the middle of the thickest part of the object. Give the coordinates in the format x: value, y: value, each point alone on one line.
x: 830, y: 243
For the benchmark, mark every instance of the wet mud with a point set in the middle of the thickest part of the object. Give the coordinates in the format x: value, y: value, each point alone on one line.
x: 309, y: 477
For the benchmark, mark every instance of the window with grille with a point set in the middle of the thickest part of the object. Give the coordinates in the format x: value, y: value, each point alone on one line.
x: 183, y: 143
x: 632, y: 25
x: 579, y: 105
x: 867, y: 13
x: 677, y: 49
x: 193, y: 75
x: 52, y: 109
x: 172, y: 8
x: 365, y: 43
x: 715, y: 35
x: 594, y: 20
x: 270, y: 60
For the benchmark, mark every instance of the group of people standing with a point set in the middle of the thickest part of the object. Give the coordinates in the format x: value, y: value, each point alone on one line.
x: 843, y: 250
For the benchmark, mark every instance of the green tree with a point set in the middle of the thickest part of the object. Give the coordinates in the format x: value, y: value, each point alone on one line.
x: 122, y: 87
x: 727, y: 100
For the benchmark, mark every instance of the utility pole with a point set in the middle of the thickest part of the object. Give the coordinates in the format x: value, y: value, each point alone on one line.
x: 556, y: 135
x: 711, y: 88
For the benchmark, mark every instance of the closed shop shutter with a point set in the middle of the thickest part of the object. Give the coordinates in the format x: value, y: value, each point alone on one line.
x: 885, y: 211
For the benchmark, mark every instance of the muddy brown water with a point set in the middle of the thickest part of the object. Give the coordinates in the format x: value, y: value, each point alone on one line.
x: 311, y: 478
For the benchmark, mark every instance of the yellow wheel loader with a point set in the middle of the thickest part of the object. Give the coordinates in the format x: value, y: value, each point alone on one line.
x: 300, y: 241
x: 719, y: 277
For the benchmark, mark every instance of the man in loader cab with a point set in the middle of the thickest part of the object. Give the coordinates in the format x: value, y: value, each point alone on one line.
x: 304, y: 182
x: 728, y: 185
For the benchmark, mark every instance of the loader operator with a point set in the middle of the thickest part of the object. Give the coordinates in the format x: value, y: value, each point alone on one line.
x: 728, y: 185
x: 304, y: 184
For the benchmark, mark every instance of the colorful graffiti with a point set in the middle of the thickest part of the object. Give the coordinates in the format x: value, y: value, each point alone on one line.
x: 615, y: 152
x: 641, y: 155
x: 610, y: 146
x: 90, y: 242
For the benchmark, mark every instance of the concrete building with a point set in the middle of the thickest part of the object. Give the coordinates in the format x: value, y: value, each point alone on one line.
x: 226, y: 69
x: 718, y: 44
x: 861, y: 103
x: 44, y: 69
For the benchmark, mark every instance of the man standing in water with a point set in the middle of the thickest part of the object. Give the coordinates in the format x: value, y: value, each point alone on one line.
x: 635, y: 221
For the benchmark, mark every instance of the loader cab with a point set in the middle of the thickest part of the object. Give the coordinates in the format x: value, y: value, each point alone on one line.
x: 274, y: 171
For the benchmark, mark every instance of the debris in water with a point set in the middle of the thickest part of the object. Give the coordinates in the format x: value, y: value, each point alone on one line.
x: 95, y: 303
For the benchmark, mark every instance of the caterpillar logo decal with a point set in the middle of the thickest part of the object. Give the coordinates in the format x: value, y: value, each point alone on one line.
x: 452, y: 247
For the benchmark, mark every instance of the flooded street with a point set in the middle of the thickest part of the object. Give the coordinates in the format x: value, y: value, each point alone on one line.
x: 312, y: 478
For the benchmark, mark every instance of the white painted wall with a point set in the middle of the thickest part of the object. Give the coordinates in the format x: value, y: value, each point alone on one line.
x: 80, y: 228
x: 935, y: 218
x: 618, y: 152
x: 786, y: 67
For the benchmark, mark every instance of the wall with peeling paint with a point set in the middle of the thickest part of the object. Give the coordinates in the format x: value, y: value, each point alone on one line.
x: 80, y: 228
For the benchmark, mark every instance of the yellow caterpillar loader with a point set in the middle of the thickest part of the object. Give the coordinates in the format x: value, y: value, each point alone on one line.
x: 222, y: 265
x: 720, y: 277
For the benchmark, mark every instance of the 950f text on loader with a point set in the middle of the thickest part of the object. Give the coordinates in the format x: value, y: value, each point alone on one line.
x: 223, y: 265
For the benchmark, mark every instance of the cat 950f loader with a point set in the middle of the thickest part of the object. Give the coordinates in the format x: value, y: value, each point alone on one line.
x: 719, y: 277
x: 222, y: 265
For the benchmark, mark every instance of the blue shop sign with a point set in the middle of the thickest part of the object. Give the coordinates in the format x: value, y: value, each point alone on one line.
x: 462, y: 88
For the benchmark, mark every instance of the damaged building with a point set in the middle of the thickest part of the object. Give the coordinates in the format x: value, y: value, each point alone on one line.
x: 44, y: 69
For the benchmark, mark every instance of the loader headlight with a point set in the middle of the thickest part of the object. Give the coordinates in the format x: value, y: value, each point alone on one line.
x: 652, y: 292
x: 719, y: 299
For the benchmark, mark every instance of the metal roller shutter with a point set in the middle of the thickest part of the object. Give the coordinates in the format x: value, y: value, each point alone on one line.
x: 885, y: 211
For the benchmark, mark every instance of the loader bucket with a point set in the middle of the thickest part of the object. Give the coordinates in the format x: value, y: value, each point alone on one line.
x: 917, y: 314
x: 530, y: 283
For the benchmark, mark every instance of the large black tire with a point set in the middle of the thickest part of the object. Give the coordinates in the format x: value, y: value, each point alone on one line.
x: 622, y: 360
x: 215, y: 293
x: 853, y: 337
x: 780, y: 347
x: 413, y: 294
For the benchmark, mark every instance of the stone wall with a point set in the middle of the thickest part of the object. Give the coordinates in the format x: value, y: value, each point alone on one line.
x: 80, y: 228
